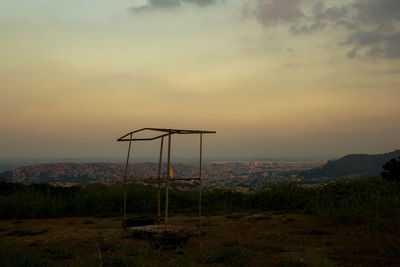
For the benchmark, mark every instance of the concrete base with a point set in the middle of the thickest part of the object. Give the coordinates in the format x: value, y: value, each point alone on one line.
x: 175, y: 235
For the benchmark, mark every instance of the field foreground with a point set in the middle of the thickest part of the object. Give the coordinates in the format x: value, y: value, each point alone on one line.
x: 239, y: 239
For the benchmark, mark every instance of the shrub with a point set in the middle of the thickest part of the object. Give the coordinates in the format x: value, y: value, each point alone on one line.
x: 391, y: 170
x: 351, y: 201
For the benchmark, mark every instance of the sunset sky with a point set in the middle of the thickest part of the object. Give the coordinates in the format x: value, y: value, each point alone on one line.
x: 275, y: 78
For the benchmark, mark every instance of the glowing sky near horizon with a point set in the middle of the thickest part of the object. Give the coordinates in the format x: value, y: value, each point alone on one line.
x: 275, y: 79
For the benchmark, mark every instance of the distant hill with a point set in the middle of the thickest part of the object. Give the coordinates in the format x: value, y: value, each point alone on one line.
x: 356, y: 165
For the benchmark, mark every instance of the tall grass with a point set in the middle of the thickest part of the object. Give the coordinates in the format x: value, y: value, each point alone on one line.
x: 359, y: 200
x: 12, y: 255
x: 351, y: 200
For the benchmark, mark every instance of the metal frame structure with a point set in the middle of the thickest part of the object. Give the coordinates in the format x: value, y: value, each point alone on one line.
x: 129, y: 137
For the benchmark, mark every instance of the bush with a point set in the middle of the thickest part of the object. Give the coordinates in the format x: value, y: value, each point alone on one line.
x: 354, y: 200
x: 391, y: 170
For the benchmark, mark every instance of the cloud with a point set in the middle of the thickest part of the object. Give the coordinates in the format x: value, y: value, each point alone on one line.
x: 384, y: 39
x: 352, y: 53
x: 350, y: 25
x: 201, y: 2
x: 165, y: 4
x: 272, y: 12
x: 364, y: 38
x: 275, y: 12
x: 378, y: 11
x: 321, y: 17
x: 382, y: 15
x: 357, y: 18
x: 378, y: 44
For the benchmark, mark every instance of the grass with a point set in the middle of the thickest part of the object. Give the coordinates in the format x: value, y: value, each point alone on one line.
x: 288, y: 219
x: 392, y: 250
x: 21, y: 232
x: 315, y: 231
x: 88, y: 221
x: 208, y: 222
x: 232, y: 254
x: 292, y: 263
x: 383, y: 226
x: 276, y: 249
x: 12, y: 255
x: 335, y: 254
x: 352, y: 222
x: 228, y: 242
x: 119, y: 261
x: 260, y: 217
x: 265, y: 248
x: 236, y: 217
x: 107, y: 247
x: 350, y: 201
x: 60, y: 253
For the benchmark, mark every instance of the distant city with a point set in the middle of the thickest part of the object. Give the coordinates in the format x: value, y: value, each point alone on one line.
x: 243, y: 175
x: 240, y: 175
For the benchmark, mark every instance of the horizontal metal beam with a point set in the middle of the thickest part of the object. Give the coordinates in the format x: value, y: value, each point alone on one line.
x: 163, y: 180
x: 141, y: 139
x: 167, y: 131
x: 180, y: 131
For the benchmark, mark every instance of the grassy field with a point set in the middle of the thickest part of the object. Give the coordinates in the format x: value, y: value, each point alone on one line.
x: 237, y: 239
x: 356, y: 201
x: 346, y: 223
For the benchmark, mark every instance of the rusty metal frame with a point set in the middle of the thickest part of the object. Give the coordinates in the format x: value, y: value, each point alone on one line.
x: 129, y: 137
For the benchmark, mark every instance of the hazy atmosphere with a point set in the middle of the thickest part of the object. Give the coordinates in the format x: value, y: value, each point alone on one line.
x: 275, y: 79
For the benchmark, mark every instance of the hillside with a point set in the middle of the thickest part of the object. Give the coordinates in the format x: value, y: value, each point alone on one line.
x: 356, y: 165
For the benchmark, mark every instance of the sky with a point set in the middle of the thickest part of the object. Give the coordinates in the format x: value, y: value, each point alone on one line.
x: 275, y: 78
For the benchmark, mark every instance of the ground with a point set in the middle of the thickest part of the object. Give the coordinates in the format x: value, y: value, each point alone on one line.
x: 239, y: 239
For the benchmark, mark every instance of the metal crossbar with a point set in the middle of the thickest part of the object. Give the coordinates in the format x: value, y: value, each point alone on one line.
x: 163, y: 179
x: 167, y: 131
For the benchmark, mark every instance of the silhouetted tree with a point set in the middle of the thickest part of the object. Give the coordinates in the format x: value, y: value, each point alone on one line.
x: 391, y: 170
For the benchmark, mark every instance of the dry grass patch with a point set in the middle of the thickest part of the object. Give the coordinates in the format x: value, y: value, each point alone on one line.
x: 254, y: 239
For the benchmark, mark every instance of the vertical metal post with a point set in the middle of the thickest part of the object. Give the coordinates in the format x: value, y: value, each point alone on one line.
x: 159, y: 185
x: 167, y: 182
x: 126, y: 173
x: 200, y: 184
